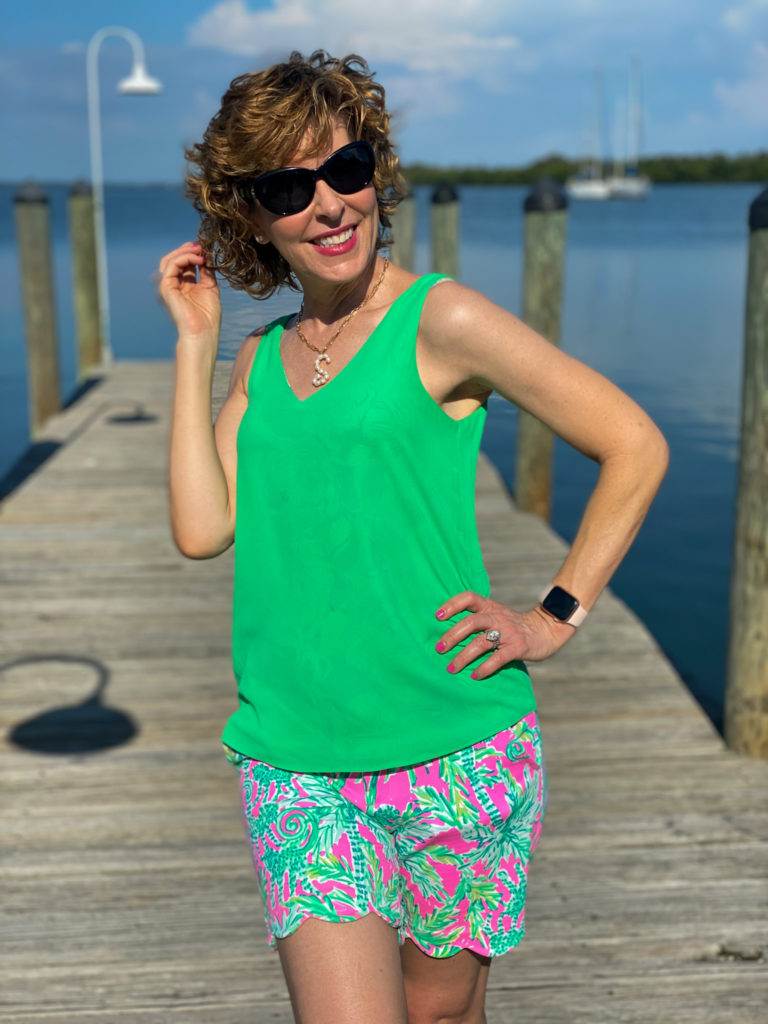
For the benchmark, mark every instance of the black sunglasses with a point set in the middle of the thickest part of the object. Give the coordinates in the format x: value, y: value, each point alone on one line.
x: 290, y: 189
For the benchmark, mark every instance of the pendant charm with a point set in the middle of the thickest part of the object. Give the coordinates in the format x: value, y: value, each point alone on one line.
x: 321, y: 376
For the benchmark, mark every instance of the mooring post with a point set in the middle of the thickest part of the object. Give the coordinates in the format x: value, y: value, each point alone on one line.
x: 746, y: 694
x: 445, y: 230
x: 402, y: 249
x: 33, y: 234
x: 85, y: 278
x: 543, y: 255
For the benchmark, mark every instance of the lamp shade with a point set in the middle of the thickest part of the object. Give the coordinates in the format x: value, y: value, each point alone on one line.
x: 139, y: 82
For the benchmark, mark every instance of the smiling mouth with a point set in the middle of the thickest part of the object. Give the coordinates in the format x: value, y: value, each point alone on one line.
x: 339, y: 238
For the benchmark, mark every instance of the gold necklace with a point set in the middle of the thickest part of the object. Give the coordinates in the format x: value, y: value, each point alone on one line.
x: 321, y: 375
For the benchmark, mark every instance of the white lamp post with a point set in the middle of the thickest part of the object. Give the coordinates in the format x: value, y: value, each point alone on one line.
x: 137, y: 83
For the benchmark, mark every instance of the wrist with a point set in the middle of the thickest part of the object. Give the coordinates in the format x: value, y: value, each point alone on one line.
x: 194, y: 342
x: 196, y: 353
x: 557, y: 627
x: 561, y: 605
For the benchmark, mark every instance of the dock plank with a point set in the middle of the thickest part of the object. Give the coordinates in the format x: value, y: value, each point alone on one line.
x: 128, y: 892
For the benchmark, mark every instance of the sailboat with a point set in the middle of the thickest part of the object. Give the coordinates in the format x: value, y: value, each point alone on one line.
x: 589, y: 182
x: 626, y: 182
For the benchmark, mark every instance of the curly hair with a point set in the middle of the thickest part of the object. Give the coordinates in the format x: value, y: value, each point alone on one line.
x: 262, y: 121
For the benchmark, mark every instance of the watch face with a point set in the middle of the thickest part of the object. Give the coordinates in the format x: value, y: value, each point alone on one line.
x: 560, y: 603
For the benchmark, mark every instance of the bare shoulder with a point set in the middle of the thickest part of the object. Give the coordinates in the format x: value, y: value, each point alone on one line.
x: 452, y: 309
x: 455, y: 321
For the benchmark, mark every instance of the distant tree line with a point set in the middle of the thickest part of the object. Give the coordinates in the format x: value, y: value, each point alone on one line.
x: 674, y: 167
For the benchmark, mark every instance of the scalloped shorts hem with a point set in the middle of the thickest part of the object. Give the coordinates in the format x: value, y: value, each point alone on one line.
x: 439, y: 850
x: 404, y: 932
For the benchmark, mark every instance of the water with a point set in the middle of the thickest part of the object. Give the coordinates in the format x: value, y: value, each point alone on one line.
x: 654, y: 299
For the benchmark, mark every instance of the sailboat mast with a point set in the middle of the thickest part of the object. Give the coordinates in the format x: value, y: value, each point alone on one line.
x: 638, y: 124
x: 597, y: 145
x: 629, y: 123
x: 619, y: 127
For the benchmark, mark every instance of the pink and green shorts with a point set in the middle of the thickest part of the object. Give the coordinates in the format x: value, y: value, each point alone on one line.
x: 440, y: 850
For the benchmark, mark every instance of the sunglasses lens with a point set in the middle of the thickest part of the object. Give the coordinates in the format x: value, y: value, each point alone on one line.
x: 290, y: 191
x: 350, y: 169
x: 286, y: 192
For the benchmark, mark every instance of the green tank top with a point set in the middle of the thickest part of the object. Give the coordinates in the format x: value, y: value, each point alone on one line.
x: 355, y: 520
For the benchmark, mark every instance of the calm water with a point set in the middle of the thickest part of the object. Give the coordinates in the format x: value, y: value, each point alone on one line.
x: 654, y: 299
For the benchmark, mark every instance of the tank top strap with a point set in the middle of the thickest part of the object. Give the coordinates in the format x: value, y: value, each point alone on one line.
x: 402, y: 323
x: 419, y: 288
x: 262, y: 365
x: 401, y: 331
x: 412, y: 300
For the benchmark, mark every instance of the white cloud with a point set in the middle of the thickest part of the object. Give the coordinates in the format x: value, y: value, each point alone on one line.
x: 431, y: 46
x: 741, y: 16
x: 748, y: 97
x: 435, y: 56
x: 457, y: 40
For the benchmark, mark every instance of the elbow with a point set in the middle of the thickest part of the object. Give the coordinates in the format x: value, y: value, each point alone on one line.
x: 199, y: 548
x: 194, y: 553
x: 658, y: 449
x: 650, y: 455
x: 644, y: 446
x: 189, y: 548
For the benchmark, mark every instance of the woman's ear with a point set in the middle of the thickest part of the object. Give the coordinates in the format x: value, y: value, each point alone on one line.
x: 258, y: 230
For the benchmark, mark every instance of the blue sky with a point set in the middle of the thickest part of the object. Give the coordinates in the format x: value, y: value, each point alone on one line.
x: 490, y: 82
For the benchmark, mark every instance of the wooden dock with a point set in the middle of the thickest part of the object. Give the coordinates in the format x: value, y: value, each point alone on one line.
x: 127, y: 889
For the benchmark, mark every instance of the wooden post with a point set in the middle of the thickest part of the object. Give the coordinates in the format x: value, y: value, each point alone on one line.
x: 544, y: 248
x: 445, y: 230
x: 402, y: 248
x: 85, y: 278
x: 33, y: 236
x: 746, y: 695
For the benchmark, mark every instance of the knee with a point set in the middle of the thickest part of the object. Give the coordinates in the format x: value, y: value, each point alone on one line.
x: 425, y: 1015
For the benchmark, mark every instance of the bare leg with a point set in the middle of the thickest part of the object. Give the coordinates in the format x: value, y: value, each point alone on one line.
x: 444, y: 989
x: 344, y: 972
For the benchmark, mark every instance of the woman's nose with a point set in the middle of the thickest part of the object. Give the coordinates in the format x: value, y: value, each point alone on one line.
x: 326, y: 200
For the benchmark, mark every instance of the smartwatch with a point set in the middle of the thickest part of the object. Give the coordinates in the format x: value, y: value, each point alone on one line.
x: 562, y: 605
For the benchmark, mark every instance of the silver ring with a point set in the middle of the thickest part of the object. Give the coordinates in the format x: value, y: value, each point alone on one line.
x: 493, y: 636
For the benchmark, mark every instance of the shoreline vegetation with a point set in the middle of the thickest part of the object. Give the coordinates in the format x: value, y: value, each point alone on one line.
x: 673, y: 168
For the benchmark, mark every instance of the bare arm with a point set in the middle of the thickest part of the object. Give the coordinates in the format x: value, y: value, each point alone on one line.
x: 485, y: 344
x: 203, y: 455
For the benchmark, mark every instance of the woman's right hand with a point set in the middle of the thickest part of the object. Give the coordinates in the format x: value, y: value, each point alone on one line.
x: 194, y: 304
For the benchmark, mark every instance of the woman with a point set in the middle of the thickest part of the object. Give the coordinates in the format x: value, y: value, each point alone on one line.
x: 386, y: 735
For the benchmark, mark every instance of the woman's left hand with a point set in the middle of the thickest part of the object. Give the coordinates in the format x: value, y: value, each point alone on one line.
x: 531, y: 636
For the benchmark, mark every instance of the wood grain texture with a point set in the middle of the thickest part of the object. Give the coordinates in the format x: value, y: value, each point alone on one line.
x: 128, y: 893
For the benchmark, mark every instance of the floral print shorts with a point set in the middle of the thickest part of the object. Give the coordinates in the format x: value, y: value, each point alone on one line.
x: 440, y: 850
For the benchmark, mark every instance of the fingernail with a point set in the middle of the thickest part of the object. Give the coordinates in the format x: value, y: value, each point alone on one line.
x: 440, y: 613
x: 473, y: 675
x: 440, y: 646
x: 451, y: 668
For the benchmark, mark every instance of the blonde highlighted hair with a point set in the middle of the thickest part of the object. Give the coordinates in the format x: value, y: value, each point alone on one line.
x: 263, y: 120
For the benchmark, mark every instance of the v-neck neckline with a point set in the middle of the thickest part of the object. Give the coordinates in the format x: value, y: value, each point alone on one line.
x: 323, y: 387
